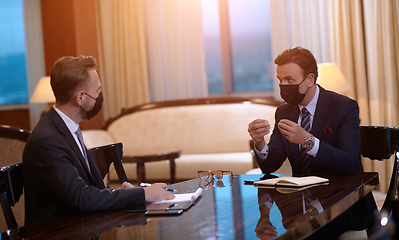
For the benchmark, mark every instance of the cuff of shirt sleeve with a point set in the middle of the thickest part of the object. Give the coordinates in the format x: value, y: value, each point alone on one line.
x: 263, y: 153
x: 315, y: 148
x: 317, y: 205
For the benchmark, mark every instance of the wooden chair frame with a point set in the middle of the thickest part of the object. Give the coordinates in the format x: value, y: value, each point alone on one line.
x: 107, y: 154
x: 11, y: 185
x: 11, y: 176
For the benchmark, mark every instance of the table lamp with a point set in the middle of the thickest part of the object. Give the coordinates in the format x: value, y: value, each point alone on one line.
x: 331, y: 78
x: 43, y: 94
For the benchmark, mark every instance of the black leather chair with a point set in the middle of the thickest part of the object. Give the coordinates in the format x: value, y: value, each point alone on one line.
x: 379, y: 143
x: 11, y: 185
x: 12, y: 143
x: 107, y: 154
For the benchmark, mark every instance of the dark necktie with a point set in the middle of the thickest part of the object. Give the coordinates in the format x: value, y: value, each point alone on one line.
x: 304, y: 157
x: 80, y: 138
x: 95, y: 174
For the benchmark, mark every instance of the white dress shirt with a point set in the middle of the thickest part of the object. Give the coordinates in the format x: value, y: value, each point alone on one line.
x: 72, y: 126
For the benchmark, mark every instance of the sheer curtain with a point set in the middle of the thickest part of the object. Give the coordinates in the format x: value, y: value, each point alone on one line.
x: 34, y: 54
x: 176, y: 52
x: 302, y: 23
x: 365, y: 47
x: 382, y: 54
x: 381, y: 30
x: 347, y: 48
x: 349, y: 53
x: 150, y: 50
x: 123, y: 59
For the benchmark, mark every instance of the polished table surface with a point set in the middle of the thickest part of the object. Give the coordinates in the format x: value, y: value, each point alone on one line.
x: 230, y: 212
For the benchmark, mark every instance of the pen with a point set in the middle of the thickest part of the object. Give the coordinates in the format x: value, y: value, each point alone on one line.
x: 172, y: 205
x: 149, y: 184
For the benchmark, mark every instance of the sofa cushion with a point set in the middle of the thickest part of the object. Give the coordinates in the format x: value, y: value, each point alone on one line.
x: 96, y: 138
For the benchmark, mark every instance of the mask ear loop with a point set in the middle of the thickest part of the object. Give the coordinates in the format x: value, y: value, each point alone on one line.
x: 302, y: 82
x: 80, y: 99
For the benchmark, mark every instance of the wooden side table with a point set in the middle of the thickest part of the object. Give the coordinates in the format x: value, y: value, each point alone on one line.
x: 142, y: 159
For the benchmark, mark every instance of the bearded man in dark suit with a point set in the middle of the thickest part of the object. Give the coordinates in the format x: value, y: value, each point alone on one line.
x: 323, y: 138
x: 60, y: 176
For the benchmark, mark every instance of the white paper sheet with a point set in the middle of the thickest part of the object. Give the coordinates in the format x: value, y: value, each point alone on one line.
x: 183, y: 197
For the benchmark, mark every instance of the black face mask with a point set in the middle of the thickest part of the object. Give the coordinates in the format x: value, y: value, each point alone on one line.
x: 97, y: 106
x: 290, y: 93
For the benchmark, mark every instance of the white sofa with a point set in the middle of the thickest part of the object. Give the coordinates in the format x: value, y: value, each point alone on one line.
x: 211, y: 132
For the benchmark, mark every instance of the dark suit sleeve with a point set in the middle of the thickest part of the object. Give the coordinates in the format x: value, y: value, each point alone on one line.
x: 57, y: 183
x: 340, y: 150
x: 54, y: 163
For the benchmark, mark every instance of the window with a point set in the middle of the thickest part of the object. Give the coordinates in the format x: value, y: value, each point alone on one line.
x: 13, y: 83
x: 237, y: 46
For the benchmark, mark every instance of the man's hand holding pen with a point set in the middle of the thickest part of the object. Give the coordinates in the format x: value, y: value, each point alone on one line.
x: 149, y: 184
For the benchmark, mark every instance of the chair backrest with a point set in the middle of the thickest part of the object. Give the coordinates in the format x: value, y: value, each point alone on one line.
x: 11, y: 185
x: 379, y: 143
x: 12, y: 143
x: 107, y: 154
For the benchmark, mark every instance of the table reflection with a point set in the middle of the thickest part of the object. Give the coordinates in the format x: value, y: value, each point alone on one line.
x: 88, y: 226
x: 227, y: 209
x: 296, y: 207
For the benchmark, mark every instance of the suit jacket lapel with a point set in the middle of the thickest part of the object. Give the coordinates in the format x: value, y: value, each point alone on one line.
x: 63, y: 129
x: 322, y: 108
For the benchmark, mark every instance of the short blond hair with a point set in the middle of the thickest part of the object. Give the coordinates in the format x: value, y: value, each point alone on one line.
x: 70, y: 74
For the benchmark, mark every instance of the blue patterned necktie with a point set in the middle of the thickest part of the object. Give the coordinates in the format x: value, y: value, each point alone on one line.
x: 80, y: 138
x: 304, y: 159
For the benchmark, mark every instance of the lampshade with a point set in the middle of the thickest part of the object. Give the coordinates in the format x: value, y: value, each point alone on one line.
x: 43, y: 92
x: 331, y: 78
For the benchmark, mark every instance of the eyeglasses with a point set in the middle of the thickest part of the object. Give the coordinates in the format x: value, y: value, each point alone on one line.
x: 213, y: 178
x: 207, y: 175
x: 213, y: 184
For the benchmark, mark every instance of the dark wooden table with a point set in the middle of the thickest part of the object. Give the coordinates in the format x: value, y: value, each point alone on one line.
x: 231, y: 212
x: 140, y: 160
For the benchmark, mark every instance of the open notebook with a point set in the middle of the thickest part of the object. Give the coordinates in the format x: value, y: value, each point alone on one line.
x: 291, y: 181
